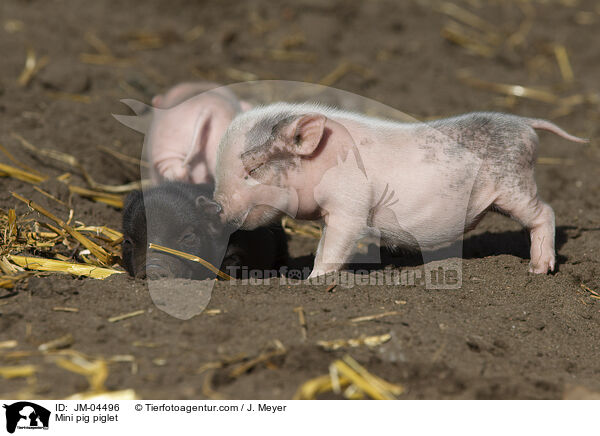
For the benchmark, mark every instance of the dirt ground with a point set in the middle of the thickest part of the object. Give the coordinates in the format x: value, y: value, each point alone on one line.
x: 505, y: 334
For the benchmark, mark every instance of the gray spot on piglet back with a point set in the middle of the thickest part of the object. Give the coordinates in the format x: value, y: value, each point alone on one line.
x: 505, y: 144
x: 491, y: 136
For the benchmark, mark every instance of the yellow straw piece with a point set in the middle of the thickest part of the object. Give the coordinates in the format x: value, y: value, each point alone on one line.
x: 73, y: 162
x: 98, y: 45
x: 18, y: 163
x: 58, y: 343
x: 8, y: 344
x: 76, y: 269
x: 372, y: 317
x: 467, y: 17
x: 111, y: 234
x: 32, y: 66
x: 374, y: 391
x: 126, y: 316
x: 562, y: 58
x: 94, y: 371
x: 17, y: 371
x: 369, y: 341
x: 317, y: 386
x: 455, y: 34
x: 94, y: 248
x: 102, y: 197
x: 193, y: 258
x: 18, y: 174
x: 512, y: 90
x: 348, y: 373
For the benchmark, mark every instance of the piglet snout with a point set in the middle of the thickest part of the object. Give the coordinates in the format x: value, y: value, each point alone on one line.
x: 156, y: 272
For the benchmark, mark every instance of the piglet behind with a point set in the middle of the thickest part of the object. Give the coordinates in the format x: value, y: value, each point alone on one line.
x: 184, y: 217
x: 187, y: 123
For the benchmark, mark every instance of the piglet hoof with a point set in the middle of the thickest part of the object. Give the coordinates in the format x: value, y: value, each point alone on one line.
x: 542, y: 266
x: 314, y: 274
x: 320, y: 273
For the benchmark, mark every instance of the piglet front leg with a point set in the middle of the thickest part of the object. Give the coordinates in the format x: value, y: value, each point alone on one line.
x: 340, y: 235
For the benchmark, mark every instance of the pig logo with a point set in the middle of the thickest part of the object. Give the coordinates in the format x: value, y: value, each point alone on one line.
x: 26, y: 415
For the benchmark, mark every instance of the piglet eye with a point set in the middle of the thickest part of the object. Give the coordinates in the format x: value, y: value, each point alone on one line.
x: 188, y: 238
x: 253, y: 170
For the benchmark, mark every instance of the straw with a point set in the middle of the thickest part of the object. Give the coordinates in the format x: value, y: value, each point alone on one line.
x: 126, y: 316
x: 8, y: 344
x: 65, y: 309
x: 18, y: 174
x: 56, y: 344
x: 31, y: 68
x: 124, y: 157
x: 508, y: 89
x: 311, y: 389
x: 562, y: 58
x: 72, y: 161
x: 102, y: 197
x: 50, y: 196
x: 52, y: 265
x: 98, y: 45
x: 15, y: 161
x: 457, y: 34
x: 279, y: 350
x: 95, y: 371
x: 347, y: 373
x: 369, y: 341
x: 373, y: 317
x: 302, y: 320
x: 309, y: 229
x: 193, y: 258
x: 17, y: 371
x: 95, y: 249
x: 467, y: 17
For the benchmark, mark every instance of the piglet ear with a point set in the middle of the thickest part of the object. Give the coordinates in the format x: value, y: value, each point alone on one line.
x: 245, y: 106
x: 206, y: 205
x: 157, y: 100
x: 308, y: 131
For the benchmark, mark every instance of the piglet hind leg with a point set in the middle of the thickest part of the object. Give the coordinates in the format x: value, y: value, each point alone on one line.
x: 538, y: 218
